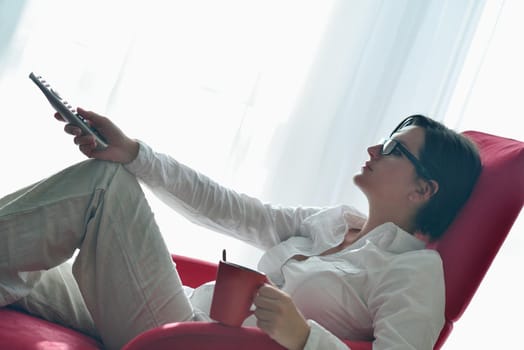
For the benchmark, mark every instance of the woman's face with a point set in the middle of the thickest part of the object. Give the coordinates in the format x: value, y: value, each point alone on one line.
x: 391, y: 178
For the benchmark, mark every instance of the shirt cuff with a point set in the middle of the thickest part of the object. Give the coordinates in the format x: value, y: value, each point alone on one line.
x: 140, y: 164
x: 320, y: 338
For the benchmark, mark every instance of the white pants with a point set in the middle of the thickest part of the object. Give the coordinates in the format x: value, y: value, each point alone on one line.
x: 124, y: 279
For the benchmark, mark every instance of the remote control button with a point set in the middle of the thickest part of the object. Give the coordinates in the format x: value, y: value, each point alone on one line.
x: 56, y: 93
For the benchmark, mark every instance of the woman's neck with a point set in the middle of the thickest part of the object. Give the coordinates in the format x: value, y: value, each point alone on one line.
x: 377, y: 218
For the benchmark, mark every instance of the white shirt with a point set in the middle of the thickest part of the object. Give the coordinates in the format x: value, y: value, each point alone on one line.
x: 385, y: 286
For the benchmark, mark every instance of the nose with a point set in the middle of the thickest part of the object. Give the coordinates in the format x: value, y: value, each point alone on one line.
x: 374, y: 151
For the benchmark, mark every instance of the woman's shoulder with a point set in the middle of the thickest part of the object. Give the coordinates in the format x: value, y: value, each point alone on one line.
x: 416, y: 262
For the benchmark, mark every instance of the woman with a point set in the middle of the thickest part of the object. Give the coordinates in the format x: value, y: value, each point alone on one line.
x: 335, y: 273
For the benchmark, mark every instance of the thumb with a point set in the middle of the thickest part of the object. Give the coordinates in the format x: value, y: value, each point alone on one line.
x: 94, y: 119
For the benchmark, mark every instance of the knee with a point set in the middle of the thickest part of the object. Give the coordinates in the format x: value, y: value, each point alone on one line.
x: 115, y: 175
x: 99, y: 173
x: 97, y: 165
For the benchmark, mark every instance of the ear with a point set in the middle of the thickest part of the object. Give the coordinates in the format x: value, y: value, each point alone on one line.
x: 423, y: 237
x: 424, y: 190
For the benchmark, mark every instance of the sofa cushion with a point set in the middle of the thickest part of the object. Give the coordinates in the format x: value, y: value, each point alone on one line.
x: 20, y: 331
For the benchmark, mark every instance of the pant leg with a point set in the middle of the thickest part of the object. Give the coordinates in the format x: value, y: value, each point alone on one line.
x: 123, y: 270
x: 56, y: 298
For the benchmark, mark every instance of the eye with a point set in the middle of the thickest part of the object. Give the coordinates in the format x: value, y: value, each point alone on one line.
x: 396, y: 152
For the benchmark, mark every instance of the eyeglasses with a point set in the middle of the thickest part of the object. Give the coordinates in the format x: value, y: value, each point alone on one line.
x: 390, y: 145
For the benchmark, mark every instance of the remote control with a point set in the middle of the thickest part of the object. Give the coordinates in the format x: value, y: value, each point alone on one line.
x: 67, y: 111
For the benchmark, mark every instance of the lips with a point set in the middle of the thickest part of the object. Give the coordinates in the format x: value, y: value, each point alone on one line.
x: 367, y: 166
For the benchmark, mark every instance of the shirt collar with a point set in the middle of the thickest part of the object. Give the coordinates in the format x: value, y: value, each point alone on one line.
x: 391, y: 238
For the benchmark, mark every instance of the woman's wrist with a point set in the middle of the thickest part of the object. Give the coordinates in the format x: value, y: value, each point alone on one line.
x: 131, y: 151
x: 303, y: 337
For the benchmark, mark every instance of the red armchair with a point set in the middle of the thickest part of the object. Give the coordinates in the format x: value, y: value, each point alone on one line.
x: 467, y: 250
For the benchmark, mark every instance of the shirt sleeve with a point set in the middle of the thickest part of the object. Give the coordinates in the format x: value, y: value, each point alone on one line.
x: 207, y: 203
x: 407, y: 304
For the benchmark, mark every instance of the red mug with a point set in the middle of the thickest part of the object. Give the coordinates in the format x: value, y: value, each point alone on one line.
x: 235, y: 289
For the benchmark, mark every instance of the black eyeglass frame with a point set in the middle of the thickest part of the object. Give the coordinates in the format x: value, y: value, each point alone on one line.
x: 386, y: 150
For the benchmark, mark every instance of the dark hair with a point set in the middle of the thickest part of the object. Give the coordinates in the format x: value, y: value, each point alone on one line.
x: 453, y: 161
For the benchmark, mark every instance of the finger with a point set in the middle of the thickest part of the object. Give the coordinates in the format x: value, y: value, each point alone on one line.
x: 269, y: 304
x: 59, y: 117
x: 267, y: 296
x: 262, y: 303
x: 85, y: 140
x: 91, y: 116
x: 87, y: 150
x: 262, y: 300
x: 72, y: 130
x: 269, y: 291
x: 266, y: 326
x: 264, y: 315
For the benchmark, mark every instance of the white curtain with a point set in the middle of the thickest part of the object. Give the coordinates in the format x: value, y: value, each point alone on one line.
x: 206, y: 81
x: 275, y: 98
x: 379, y: 62
x: 278, y: 99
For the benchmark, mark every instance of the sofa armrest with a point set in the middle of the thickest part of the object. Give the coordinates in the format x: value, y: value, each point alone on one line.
x: 211, y: 336
x: 204, y: 336
x: 194, y: 272
x: 20, y: 331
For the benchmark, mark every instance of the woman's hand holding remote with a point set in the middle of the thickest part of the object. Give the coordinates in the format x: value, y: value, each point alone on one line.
x: 122, y: 149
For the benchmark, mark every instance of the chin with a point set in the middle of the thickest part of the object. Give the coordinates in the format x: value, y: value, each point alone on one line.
x: 358, y: 180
